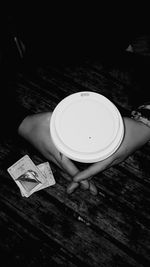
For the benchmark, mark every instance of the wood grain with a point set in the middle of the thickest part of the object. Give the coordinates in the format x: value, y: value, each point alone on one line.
x: 51, y: 228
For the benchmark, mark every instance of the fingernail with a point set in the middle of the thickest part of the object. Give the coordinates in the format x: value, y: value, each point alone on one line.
x: 93, y: 190
x: 85, y: 185
x: 72, y: 187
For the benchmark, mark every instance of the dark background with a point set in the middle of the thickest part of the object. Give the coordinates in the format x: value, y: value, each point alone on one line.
x: 64, y: 51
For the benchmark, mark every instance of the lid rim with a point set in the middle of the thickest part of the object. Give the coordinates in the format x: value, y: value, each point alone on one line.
x: 87, y: 157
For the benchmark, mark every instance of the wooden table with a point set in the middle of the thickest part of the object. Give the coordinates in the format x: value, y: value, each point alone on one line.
x: 52, y: 228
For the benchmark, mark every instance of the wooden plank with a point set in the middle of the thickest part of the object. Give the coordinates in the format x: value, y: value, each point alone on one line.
x: 111, y: 229
x: 112, y: 212
x: 57, y: 223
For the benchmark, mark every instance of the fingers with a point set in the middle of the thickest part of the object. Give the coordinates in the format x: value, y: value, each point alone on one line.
x: 93, y: 170
x: 72, y: 187
x: 72, y: 170
x: 85, y: 184
x: 88, y: 185
x: 93, y: 189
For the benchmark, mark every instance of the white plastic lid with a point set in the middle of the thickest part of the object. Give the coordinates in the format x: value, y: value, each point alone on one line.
x: 86, y: 127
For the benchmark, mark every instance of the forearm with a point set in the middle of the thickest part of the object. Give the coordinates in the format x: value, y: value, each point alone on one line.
x: 136, y: 135
x: 140, y: 132
x: 141, y: 117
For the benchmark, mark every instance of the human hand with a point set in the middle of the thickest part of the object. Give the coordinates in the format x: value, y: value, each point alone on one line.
x: 35, y: 129
x: 135, y: 136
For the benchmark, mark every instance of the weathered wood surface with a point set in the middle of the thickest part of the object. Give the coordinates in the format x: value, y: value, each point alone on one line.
x: 51, y: 228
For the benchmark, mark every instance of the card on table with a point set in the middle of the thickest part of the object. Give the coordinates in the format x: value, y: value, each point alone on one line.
x: 26, y: 175
x: 48, y: 175
x: 47, y: 172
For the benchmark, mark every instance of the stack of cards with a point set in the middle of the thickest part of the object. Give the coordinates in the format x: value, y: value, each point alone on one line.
x: 29, y: 177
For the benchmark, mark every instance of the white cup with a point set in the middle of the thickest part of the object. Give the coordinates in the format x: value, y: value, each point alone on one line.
x: 86, y: 127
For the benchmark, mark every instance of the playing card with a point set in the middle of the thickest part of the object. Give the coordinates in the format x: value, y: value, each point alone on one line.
x: 47, y: 172
x: 26, y: 175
